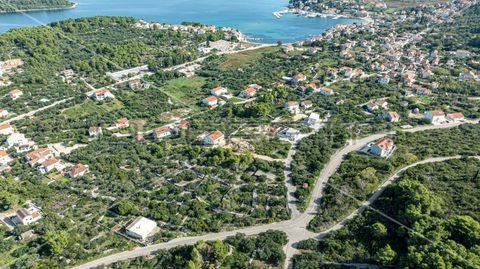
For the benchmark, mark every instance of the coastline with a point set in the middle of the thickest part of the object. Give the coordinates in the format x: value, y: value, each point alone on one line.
x: 40, y: 9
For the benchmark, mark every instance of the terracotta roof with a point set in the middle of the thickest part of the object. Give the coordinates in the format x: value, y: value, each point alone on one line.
x: 250, y: 90
x: 101, y: 91
x: 211, y: 99
x: 183, y: 124
x: 393, y: 114
x: 307, y: 102
x: 122, y: 120
x: 217, y: 89
x: 437, y: 113
x: 299, y: 76
x: 78, y: 169
x: 49, y: 162
x: 3, y: 153
x: 15, y: 91
x: 36, y: 154
x: 292, y: 103
x: 327, y: 90
x: 22, y: 213
x: 385, y: 143
x: 456, y: 115
x: 162, y: 130
x: 5, y: 126
x: 215, y: 135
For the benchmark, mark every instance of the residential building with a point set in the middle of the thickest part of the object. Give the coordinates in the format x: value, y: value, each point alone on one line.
x: 181, y: 125
x: 306, y: 104
x: 435, y: 116
x: 299, y: 78
x: 95, y: 131
x: 218, y: 91
x: 210, y: 101
x: 50, y: 165
x: 313, y: 119
x: 122, y: 123
x: 376, y: 104
x: 16, y: 139
x: 383, y: 147
x: 27, y: 216
x: 38, y: 156
x: 383, y: 79
x: 248, y: 92
x: 135, y: 84
x: 102, y: 95
x: 6, y: 129
x: 292, y: 107
x: 456, y: 117
x: 15, y: 94
x: 78, y: 170
x: 4, y: 158
x: 141, y: 228
x: 291, y: 134
x: 213, y: 139
x: 326, y: 91
x: 392, y: 116
x: 161, y: 132
x: 3, y: 113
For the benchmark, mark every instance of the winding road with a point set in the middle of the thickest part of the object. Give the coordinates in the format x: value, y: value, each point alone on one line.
x: 295, y: 228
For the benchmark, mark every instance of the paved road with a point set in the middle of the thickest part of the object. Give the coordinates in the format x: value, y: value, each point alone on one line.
x: 33, y: 112
x: 294, y: 228
x: 381, y: 189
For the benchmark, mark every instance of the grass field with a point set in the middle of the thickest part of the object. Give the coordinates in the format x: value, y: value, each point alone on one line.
x: 185, y: 90
x: 237, y: 60
x: 89, y: 107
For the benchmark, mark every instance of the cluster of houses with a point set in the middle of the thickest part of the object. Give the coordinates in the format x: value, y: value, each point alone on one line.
x: 393, y: 55
x: 217, y: 93
x: 229, y: 33
x: 7, y: 67
x: 439, y: 117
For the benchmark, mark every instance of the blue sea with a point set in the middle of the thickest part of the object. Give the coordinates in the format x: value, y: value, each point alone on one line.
x: 252, y: 17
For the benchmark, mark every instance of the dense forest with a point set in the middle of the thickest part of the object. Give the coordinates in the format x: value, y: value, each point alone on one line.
x: 16, y: 5
x: 429, y: 219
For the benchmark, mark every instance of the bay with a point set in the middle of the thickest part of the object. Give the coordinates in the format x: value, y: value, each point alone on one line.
x: 253, y: 17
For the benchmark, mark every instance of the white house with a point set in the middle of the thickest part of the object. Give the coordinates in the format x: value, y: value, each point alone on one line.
x: 102, y: 95
x: 27, y: 217
x: 161, y: 132
x: 6, y: 129
x: 141, y: 228
x: 78, y: 170
x: 291, y: 134
x: 4, y: 158
x: 95, y: 131
x: 50, y: 165
x: 3, y: 113
x: 215, y: 138
x: 376, y: 104
x: 392, y: 116
x: 313, y: 119
x: 306, y: 104
x: 435, y: 116
x: 292, y: 107
x: 383, y: 147
x: 299, y: 78
x: 248, y: 92
x: 15, y: 94
x: 326, y: 91
x: 210, y: 101
x: 16, y: 139
x: 218, y: 91
x: 122, y: 123
x: 38, y: 156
